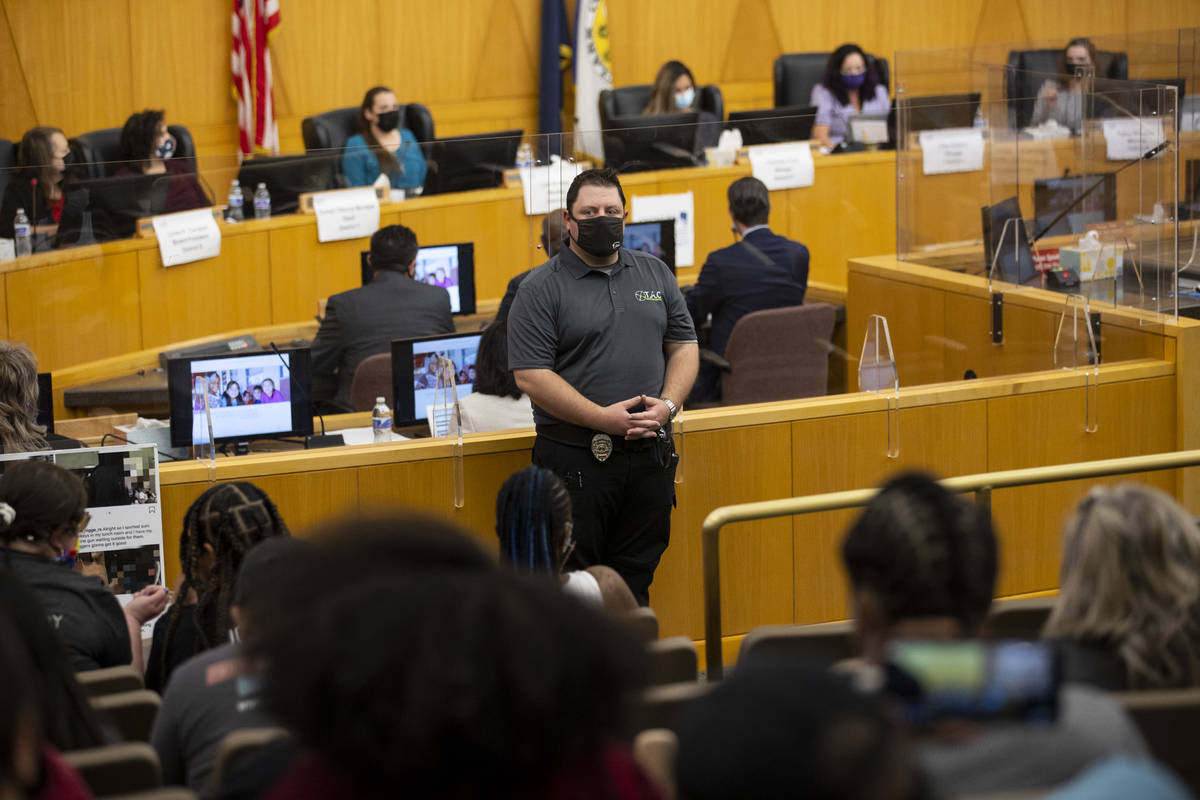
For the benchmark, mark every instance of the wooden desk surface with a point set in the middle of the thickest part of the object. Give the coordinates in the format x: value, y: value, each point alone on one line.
x: 82, y: 305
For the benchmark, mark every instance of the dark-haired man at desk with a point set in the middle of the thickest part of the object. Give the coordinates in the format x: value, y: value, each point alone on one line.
x: 763, y: 270
x: 363, y: 322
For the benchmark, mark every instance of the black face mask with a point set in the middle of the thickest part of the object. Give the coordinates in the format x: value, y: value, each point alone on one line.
x: 389, y: 121
x: 600, y: 236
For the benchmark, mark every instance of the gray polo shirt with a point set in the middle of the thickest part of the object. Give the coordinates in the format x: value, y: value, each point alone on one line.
x: 603, y: 334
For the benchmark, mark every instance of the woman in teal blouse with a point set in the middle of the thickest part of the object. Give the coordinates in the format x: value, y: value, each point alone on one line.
x: 382, y: 146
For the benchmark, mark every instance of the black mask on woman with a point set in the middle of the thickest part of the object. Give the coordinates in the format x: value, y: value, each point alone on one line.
x: 600, y: 236
x: 389, y: 121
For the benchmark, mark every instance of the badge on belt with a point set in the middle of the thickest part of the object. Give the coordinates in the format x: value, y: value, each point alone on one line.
x: 601, y: 447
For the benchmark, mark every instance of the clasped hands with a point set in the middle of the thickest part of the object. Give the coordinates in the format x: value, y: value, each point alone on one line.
x: 619, y: 421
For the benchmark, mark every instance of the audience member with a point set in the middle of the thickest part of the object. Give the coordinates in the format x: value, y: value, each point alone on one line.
x: 65, y: 713
x: 781, y: 729
x: 533, y: 521
x: 553, y: 230
x: 1061, y: 99
x: 850, y: 86
x: 38, y: 188
x: 363, y: 322
x: 922, y: 565
x: 42, y: 511
x: 147, y: 148
x: 450, y: 681
x: 1128, y: 609
x: 762, y: 270
x: 496, y: 403
x: 19, y: 431
x: 674, y: 91
x: 217, y: 692
x: 30, y: 767
x: 219, y: 528
x: 382, y: 146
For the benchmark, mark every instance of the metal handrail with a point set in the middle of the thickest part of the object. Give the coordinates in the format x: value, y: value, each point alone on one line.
x: 981, y: 484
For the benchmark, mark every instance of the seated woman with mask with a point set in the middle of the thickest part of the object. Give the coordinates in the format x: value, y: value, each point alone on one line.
x: 673, y: 92
x: 39, y: 189
x: 147, y: 148
x: 849, y: 87
x: 381, y: 146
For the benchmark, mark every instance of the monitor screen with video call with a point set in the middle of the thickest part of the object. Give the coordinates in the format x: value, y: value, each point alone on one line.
x: 415, y: 373
x: 451, y: 266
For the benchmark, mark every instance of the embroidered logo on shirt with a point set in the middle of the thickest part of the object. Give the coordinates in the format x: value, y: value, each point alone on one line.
x: 648, y: 297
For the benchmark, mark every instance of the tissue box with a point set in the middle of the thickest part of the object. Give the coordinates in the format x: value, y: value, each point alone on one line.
x: 152, y: 432
x: 1092, y: 264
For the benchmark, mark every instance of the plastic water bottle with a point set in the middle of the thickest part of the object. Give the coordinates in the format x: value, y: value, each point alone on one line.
x: 22, y: 233
x: 381, y: 421
x: 236, y: 201
x: 525, y: 156
x: 262, y: 202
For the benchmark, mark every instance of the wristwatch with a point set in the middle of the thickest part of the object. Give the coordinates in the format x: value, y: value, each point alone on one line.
x: 674, y: 409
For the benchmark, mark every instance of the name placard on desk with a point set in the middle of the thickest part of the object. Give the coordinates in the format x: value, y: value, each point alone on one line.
x: 546, y: 187
x: 346, y: 214
x: 187, y: 236
x: 782, y: 166
x: 1130, y: 139
x: 951, y: 150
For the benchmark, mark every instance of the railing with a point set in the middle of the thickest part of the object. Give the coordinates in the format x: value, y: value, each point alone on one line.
x: 981, y: 484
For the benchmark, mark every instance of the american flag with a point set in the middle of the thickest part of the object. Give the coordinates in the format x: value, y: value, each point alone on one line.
x: 253, y: 86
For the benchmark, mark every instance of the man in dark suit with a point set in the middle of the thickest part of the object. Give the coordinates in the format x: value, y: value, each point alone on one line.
x: 552, y: 241
x: 763, y: 270
x: 363, y: 322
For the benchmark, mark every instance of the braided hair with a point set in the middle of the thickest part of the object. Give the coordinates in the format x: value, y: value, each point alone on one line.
x: 231, y: 518
x: 533, y: 514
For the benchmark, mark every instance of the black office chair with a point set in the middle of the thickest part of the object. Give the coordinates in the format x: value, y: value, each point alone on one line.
x: 626, y: 103
x: 95, y: 153
x: 1029, y: 69
x: 331, y: 129
x: 797, y: 73
x: 8, y: 161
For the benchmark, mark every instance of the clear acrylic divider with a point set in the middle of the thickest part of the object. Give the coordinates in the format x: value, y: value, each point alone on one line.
x: 877, y: 374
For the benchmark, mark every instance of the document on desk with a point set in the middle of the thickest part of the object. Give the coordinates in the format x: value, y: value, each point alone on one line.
x: 782, y: 166
x: 546, y: 187
x: 952, y: 150
x: 1130, y: 139
x: 187, y: 236
x: 346, y: 213
x: 647, y: 208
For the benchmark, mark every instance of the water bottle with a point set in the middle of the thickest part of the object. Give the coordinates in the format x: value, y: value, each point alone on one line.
x: 236, y: 200
x: 22, y: 233
x: 525, y: 156
x: 262, y: 202
x: 381, y: 421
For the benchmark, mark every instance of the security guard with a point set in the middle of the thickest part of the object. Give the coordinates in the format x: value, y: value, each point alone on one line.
x: 601, y: 340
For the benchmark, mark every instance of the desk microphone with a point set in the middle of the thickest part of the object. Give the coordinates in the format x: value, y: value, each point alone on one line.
x: 304, y: 389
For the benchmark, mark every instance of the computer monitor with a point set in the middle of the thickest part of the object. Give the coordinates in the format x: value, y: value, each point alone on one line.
x: 414, y: 372
x: 867, y: 129
x: 470, y: 162
x: 1015, y: 263
x: 287, y: 177
x: 1052, y: 195
x: 656, y: 237
x: 281, y: 406
x: 117, y: 203
x: 451, y: 266
x: 662, y: 141
x: 774, y: 125
x: 45, y: 402
x: 934, y: 112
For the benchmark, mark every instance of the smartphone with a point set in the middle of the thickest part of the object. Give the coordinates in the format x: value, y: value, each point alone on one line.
x: 974, y: 679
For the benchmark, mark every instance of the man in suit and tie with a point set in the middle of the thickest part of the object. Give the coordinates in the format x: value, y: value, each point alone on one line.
x: 763, y: 270
x: 363, y: 322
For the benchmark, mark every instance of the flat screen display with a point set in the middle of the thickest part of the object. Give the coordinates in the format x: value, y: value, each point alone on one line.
x: 249, y: 396
x: 415, y: 371
x: 656, y: 238
x: 45, y: 403
x: 451, y: 266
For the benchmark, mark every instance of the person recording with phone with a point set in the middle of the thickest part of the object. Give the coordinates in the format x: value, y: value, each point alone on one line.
x: 382, y: 146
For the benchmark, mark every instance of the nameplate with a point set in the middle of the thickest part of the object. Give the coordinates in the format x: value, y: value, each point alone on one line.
x: 187, y: 236
x: 782, y: 166
x: 1130, y: 139
x: 346, y: 214
x: 545, y: 188
x: 952, y: 150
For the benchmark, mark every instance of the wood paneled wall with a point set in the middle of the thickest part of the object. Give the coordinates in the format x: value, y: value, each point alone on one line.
x: 86, y: 64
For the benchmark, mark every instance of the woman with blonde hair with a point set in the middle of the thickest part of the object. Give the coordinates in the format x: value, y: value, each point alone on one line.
x: 19, y: 431
x: 1128, y: 611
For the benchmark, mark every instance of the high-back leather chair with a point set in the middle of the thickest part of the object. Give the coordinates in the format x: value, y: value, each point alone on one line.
x: 797, y: 73
x: 625, y: 144
x: 8, y: 162
x: 1029, y: 69
x: 628, y: 101
x: 95, y: 153
x: 331, y: 129
x: 779, y: 354
x: 372, y: 378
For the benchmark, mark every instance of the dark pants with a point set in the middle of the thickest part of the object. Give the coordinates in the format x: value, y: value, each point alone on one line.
x: 621, y: 507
